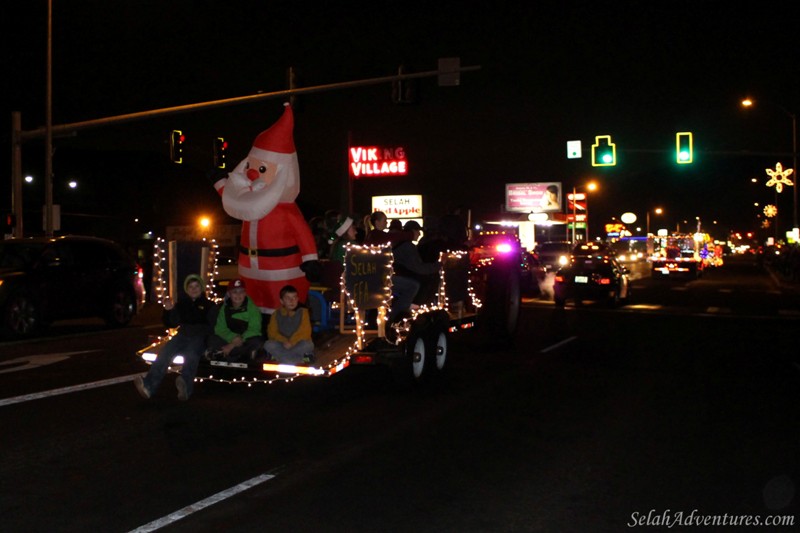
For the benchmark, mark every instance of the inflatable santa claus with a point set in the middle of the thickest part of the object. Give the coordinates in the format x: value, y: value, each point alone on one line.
x: 277, y: 247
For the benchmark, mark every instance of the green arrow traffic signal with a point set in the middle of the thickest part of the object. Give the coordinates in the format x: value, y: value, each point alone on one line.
x: 604, y: 152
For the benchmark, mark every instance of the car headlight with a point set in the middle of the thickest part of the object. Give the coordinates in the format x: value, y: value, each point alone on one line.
x: 563, y: 260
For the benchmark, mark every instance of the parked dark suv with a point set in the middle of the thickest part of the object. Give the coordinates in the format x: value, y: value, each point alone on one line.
x: 47, y: 279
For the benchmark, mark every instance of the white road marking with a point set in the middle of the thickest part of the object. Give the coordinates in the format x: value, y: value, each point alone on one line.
x: 202, y: 504
x: 558, y: 344
x: 67, y: 390
x: 34, y: 361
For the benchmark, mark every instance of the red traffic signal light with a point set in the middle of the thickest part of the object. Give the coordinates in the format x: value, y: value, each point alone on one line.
x: 9, y: 222
x: 220, y: 152
x: 176, y: 140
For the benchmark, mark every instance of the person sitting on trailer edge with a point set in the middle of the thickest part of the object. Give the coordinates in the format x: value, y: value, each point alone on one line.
x: 192, y: 315
x: 237, y: 333
x: 289, y: 331
x: 414, y: 281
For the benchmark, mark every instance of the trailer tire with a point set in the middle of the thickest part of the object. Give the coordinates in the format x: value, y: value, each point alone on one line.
x: 437, y: 351
x: 413, y: 369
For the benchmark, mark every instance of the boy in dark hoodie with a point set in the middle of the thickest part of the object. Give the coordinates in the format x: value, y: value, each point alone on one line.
x: 193, y: 317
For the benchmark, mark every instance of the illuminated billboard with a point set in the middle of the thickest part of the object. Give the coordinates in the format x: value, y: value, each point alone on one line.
x: 533, y: 197
x: 404, y: 206
x: 373, y: 162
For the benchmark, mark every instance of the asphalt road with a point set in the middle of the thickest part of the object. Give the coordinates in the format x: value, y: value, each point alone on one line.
x: 681, y: 405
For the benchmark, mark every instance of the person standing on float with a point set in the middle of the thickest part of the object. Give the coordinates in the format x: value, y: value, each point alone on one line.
x: 277, y: 247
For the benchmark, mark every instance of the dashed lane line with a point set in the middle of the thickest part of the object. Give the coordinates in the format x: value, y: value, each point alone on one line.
x: 558, y: 344
x: 202, y: 504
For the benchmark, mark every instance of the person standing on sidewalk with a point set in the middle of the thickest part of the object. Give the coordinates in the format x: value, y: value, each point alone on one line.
x: 193, y: 315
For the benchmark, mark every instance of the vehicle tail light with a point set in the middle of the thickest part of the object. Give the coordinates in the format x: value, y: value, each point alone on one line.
x: 560, y: 279
x: 364, y: 359
x: 140, y: 272
x: 604, y: 281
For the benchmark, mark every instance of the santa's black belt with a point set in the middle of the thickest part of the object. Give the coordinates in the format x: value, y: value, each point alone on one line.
x: 269, y: 252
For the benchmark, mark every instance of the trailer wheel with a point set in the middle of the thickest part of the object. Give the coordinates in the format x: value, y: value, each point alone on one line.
x: 418, y: 353
x: 438, y: 352
x: 412, y: 369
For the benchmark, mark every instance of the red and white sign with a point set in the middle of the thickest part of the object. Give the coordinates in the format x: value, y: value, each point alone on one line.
x: 576, y: 202
x: 406, y: 206
x: 372, y: 161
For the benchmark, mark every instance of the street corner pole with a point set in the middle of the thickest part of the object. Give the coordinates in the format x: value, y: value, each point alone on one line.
x: 349, y: 175
x: 48, y: 145
x: 794, y: 163
x: 16, y: 172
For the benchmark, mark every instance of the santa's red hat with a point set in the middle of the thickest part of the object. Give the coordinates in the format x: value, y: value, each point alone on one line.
x: 278, y: 139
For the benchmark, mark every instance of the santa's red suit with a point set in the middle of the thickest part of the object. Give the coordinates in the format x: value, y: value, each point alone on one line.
x: 276, y: 238
x: 272, y: 250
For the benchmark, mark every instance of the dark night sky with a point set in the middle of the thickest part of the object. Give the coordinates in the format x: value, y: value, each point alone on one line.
x: 550, y: 72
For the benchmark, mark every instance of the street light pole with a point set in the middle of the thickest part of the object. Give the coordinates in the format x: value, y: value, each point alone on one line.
x: 658, y: 211
x: 794, y: 167
x: 747, y: 103
x: 48, y: 144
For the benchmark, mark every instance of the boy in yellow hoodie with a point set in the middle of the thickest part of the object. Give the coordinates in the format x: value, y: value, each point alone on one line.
x: 289, y: 330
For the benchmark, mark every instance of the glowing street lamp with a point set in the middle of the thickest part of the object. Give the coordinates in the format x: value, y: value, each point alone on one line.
x: 204, y: 222
x: 657, y: 211
x: 575, y: 198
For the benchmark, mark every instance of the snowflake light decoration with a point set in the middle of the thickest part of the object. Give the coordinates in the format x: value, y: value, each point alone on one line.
x: 770, y: 210
x: 779, y: 177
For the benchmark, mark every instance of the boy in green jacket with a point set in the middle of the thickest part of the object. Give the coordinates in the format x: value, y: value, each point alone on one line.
x: 237, y: 333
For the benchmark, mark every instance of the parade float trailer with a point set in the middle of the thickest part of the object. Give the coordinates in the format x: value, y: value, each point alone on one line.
x: 477, y: 295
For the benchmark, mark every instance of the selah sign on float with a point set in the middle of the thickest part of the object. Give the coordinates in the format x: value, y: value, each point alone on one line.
x: 372, y: 161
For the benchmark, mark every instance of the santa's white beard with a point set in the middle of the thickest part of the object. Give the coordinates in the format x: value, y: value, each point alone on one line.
x: 246, y: 200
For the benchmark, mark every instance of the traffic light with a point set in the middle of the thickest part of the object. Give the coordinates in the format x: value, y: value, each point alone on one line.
x: 404, y: 91
x: 176, y: 140
x: 684, y: 147
x: 9, y: 222
x: 604, y: 152
x: 220, y: 151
